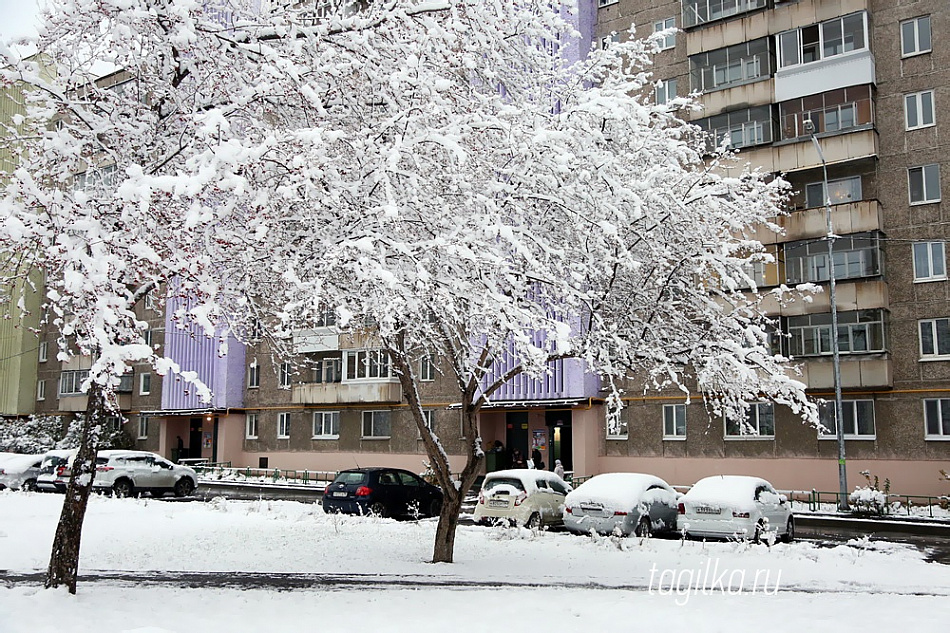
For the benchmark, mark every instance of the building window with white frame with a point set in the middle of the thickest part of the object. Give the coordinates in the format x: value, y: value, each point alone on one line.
x: 915, y: 36
x: 665, y: 91
x: 674, y: 421
x: 822, y: 41
x: 41, y: 390
x: 377, y: 425
x: 250, y: 426
x: 859, y: 332
x: 857, y: 419
x: 701, y: 11
x: 607, y: 40
x: 935, y: 338
x: 937, y: 419
x: 326, y: 425
x: 919, y: 110
x: 604, y: 3
x: 617, y: 430
x: 143, y: 427
x: 759, y: 423
x: 283, y: 378
x: 924, y: 184
x: 70, y: 382
x: 367, y: 364
x: 668, y: 41
x: 929, y: 262
x: 145, y: 384
x: 253, y: 375
x: 328, y: 370
x: 840, y: 191
x: 427, y: 369
x: 43, y: 351
x: 283, y: 426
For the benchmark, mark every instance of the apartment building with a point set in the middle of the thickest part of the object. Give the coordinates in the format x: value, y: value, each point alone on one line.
x: 866, y: 75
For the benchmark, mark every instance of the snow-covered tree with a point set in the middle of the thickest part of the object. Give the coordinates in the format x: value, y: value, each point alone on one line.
x: 33, y: 435
x: 435, y: 169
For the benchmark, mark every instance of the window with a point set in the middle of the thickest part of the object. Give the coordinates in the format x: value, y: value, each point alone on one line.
x: 70, y: 382
x: 919, y: 110
x: 147, y: 336
x: 857, y: 419
x: 145, y: 384
x: 283, y: 379
x: 619, y: 430
x: 915, y: 36
x: 821, y: 41
x: 929, y: 262
x: 937, y: 419
x: 670, y: 40
x: 143, y: 427
x: 149, y: 301
x: 730, y: 66
x: 604, y: 3
x: 665, y: 91
x: 367, y: 364
x: 831, y: 111
x: 112, y: 424
x: 125, y: 383
x: 841, y: 191
x: 254, y: 375
x: 250, y: 426
x: 328, y: 370
x: 855, y: 256
x: 924, y: 183
x: 674, y: 421
x: 326, y: 424
x: 283, y: 426
x: 700, y: 11
x: 740, y: 128
x: 44, y: 351
x: 427, y: 368
x: 935, y: 338
x: 860, y: 331
x: 376, y: 424
x: 607, y: 40
x: 41, y: 390
x: 759, y: 423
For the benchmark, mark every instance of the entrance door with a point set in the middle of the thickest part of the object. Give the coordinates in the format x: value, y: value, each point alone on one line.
x: 194, y: 439
x: 516, y: 435
x: 559, y: 438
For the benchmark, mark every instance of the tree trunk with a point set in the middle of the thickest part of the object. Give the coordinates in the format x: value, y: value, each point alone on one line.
x: 64, y: 559
x: 444, y: 550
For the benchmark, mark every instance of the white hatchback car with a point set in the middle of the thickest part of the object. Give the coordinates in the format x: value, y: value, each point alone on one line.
x: 527, y: 497
x: 55, y: 470
x: 128, y: 473
x: 19, y: 472
x: 734, y: 506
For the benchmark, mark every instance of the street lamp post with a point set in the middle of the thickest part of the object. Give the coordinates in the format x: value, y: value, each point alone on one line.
x: 835, y: 352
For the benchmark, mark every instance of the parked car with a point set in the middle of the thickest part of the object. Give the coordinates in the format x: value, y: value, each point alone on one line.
x: 128, y: 473
x: 384, y: 492
x: 625, y: 503
x: 19, y: 471
x: 521, y: 496
x: 55, y: 470
x: 735, y: 506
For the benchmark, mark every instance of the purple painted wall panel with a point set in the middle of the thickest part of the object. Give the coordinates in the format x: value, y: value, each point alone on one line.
x: 584, y: 19
x: 193, y: 351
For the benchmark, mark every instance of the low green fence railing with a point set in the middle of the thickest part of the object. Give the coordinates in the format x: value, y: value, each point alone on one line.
x: 896, y: 503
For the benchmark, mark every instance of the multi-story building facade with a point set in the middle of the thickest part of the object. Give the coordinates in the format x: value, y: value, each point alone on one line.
x: 866, y: 74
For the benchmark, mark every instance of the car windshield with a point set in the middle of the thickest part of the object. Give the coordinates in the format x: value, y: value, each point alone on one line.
x: 350, y: 478
x: 503, y: 481
x: 51, y: 462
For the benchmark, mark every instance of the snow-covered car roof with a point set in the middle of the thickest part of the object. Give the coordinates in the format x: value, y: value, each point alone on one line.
x: 67, y: 453
x: 614, y: 489
x: 725, y: 490
x: 12, y: 462
x: 527, y: 476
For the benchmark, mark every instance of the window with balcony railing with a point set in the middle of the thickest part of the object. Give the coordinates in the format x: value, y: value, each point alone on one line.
x: 839, y: 191
x: 70, y: 382
x: 367, y: 364
x: 828, y: 39
x: 327, y: 370
x: 831, y: 111
x: 859, y: 332
x: 740, y: 128
x: 702, y: 11
x: 730, y: 66
x: 855, y: 256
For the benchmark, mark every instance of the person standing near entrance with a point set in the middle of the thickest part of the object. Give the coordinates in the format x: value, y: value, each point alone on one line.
x: 559, y: 468
x: 181, y: 447
x: 536, y: 458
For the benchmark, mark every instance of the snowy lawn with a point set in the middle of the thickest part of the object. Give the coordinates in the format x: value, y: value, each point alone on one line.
x: 562, y: 581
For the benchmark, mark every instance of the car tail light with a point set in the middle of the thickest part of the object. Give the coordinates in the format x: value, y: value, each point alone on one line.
x: 326, y: 490
x: 681, y: 508
x: 568, y: 509
x: 521, y: 497
x: 104, y: 469
x: 2, y: 472
x: 481, y: 499
x: 740, y: 515
x: 364, y: 491
x: 619, y: 513
x: 60, y: 471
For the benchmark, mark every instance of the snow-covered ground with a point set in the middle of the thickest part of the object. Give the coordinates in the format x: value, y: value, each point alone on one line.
x: 524, y: 579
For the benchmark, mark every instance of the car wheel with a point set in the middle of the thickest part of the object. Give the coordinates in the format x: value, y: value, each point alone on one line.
x: 759, y: 531
x: 435, y: 508
x: 534, y: 521
x: 123, y: 488
x: 789, y: 531
x: 184, y: 487
x: 29, y: 485
x: 379, y: 509
x: 644, y: 527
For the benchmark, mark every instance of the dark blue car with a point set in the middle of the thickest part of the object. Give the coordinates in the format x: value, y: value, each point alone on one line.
x: 383, y: 492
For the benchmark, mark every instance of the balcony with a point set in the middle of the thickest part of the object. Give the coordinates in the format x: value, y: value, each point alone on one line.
x: 319, y: 340
x: 798, y: 155
x: 853, y: 217
x: 347, y: 393
x: 855, y: 373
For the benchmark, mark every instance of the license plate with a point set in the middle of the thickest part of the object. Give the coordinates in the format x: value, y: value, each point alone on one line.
x: 497, y: 503
x: 338, y: 494
x: 708, y: 510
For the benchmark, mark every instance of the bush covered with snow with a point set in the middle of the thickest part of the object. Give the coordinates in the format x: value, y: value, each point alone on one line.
x: 870, y: 499
x: 31, y: 436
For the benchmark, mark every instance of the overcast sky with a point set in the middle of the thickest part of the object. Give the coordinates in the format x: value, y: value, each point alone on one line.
x: 17, y: 18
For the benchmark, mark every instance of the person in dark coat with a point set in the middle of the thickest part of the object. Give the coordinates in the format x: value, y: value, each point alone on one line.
x: 536, y: 458
x: 517, y: 459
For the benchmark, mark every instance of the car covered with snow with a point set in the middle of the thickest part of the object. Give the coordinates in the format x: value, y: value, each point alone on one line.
x: 527, y: 497
x: 621, y: 503
x: 19, y: 472
x: 128, y: 473
x: 55, y: 470
x: 735, y: 506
